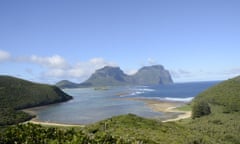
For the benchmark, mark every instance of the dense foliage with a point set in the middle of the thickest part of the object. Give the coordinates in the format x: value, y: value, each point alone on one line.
x: 147, y: 130
x: 9, y: 116
x: 36, y: 134
x: 222, y: 129
x: 216, y: 128
x: 17, y: 94
x: 200, y: 108
x: 225, y: 94
x: 223, y: 124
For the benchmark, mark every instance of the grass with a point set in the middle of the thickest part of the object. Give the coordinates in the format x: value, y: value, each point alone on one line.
x: 133, y: 127
x: 186, y: 107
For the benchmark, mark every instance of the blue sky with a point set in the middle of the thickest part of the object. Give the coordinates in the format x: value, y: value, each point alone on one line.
x: 50, y: 40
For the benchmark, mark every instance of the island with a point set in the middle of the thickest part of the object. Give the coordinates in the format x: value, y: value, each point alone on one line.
x: 114, y: 76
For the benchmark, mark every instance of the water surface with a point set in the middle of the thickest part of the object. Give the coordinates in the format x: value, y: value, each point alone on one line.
x: 90, y: 105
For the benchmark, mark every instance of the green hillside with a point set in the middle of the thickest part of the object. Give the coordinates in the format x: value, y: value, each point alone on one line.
x: 125, y: 129
x: 226, y: 95
x: 222, y: 124
x: 218, y: 122
x: 132, y: 127
x: 17, y: 94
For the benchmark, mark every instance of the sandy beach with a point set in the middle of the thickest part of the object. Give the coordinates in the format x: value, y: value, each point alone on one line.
x: 166, y: 107
x: 35, y: 120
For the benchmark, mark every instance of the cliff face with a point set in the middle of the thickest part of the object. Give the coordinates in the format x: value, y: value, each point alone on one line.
x: 108, y: 76
x: 152, y: 75
x: 114, y: 76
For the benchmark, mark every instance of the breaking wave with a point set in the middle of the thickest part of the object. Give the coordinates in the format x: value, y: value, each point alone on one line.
x: 187, y: 99
x: 141, y: 91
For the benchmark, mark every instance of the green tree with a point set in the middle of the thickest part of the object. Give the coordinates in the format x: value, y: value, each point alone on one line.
x: 200, y: 108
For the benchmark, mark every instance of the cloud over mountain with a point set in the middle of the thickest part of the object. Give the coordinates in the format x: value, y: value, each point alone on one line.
x: 55, y: 67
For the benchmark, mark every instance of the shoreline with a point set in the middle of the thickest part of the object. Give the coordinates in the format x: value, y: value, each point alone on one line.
x: 32, y: 111
x: 35, y: 121
x: 166, y: 107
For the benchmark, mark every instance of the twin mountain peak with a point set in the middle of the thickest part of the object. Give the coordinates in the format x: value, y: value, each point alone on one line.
x: 114, y: 76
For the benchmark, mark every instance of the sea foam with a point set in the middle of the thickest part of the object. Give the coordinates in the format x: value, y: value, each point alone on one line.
x: 187, y: 99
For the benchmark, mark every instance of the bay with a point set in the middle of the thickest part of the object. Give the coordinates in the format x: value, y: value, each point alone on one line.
x: 90, y: 105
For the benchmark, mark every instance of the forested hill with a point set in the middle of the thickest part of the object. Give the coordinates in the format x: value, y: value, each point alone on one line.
x: 225, y: 95
x: 17, y: 94
x: 216, y: 113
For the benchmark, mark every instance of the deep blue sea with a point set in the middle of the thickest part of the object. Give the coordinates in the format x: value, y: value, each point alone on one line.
x: 90, y: 105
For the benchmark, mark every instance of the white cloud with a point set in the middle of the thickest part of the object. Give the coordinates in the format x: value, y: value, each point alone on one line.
x: 77, y: 72
x: 54, y: 61
x: 4, y: 55
x: 56, y: 68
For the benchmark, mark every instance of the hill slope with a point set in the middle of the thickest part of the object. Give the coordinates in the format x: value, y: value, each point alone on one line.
x: 17, y: 94
x: 225, y: 95
x: 223, y: 123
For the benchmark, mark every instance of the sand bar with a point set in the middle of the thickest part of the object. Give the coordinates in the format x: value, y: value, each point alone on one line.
x: 166, y: 107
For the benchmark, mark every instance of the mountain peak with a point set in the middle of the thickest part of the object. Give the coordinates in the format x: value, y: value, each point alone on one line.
x: 153, y: 75
x: 109, y: 70
x: 114, y: 76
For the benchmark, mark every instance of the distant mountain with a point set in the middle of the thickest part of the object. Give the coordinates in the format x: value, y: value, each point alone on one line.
x: 114, y: 76
x: 107, y: 76
x: 17, y: 94
x: 152, y: 75
x: 66, y: 84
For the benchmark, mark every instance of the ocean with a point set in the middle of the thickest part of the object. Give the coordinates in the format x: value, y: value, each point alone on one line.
x: 90, y: 105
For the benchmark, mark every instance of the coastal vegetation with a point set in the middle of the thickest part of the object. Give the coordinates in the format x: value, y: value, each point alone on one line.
x: 37, y: 134
x: 200, y: 108
x: 215, y: 119
x: 17, y: 94
x: 222, y: 125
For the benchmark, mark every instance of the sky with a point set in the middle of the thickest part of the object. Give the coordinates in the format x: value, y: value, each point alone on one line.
x: 51, y: 40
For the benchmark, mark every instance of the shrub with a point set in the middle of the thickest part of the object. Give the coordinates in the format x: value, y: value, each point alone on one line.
x: 200, y: 108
